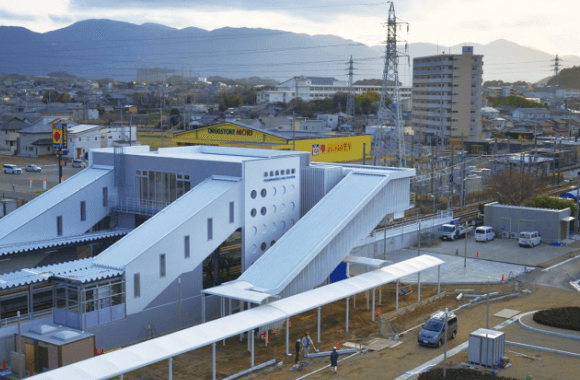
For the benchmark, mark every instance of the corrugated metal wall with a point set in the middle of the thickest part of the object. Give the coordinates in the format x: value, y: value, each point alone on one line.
x: 394, y: 197
x: 316, y: 183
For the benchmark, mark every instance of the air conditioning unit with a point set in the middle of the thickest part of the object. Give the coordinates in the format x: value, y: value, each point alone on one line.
x: 514, y: 235
x: 505, y: 235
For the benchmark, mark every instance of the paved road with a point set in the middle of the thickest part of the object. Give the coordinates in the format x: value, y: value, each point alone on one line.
x: 21, y: 182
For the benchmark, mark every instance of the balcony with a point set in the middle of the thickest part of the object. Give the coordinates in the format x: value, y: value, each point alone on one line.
x: 420, y: 80
x: 433, y: 72
x: 431, y: 114
x: 431, y: 123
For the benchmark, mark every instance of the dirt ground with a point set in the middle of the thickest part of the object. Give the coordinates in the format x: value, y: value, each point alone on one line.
x: 460, y: 374
x: 388, y: 363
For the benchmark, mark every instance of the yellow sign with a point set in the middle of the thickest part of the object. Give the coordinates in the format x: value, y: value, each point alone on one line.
x: 56, y: 135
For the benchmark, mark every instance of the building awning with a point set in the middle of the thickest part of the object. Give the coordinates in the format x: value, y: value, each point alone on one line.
x: 239, y: 290
x: 567, y: 219
x: 367, y: 262
x: 30, y: 246
x: 42, y: 142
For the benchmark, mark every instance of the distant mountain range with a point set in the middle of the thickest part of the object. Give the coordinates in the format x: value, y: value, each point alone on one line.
x: 104, y: 48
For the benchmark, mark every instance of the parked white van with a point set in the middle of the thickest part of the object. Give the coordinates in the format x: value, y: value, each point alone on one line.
x: 529, y: 238
x: 484, y: 233
x: 11, y: 169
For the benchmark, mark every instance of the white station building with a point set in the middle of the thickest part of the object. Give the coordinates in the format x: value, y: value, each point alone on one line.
x: 297, y: 221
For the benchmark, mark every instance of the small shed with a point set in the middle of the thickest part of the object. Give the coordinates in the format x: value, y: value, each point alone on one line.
x: 509, y: 221
x: 47, y: 347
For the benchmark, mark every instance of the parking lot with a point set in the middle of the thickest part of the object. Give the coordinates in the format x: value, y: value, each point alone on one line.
x: 501, y: 250
x: 21, y: 182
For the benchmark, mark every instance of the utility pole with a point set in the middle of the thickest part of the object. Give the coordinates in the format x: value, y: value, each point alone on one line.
x: 556, y: 66
x: 391, y: 74
x: 350, y: 98
x: 462, y: 173
x: 559, y: 160
x: 465, y: 260
x: 451, y: 176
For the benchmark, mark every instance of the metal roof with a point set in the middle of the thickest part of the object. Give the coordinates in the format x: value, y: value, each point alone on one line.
x: 368, y: 262
x: 29, y: 246
x: 131, y: 246
x: 239, y: 290
x: 52, y: 197
x: 300, y: 245
x: 137, y: 356
x: 79, y: 270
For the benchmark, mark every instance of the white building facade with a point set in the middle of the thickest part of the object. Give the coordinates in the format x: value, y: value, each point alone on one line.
x: 313, y: 88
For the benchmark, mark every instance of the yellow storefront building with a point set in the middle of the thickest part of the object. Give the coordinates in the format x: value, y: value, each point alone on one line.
x: 323, y: 147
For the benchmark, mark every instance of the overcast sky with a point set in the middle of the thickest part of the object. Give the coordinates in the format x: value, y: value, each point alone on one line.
x: 551, y: 26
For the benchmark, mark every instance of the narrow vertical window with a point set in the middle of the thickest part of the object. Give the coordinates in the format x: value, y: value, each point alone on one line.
x: 186, y: 247
x: 137, y: 284
x: 162, y: 265
x: 59, y: 226
x: 231, y: 212
x: 210, y: 229
x: 105, y: 197
x: 83, y: 211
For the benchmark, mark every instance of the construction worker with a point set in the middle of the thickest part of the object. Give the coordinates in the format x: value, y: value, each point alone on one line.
x: 298, y: 349
x: 306, y: 343
x: 334, y: 360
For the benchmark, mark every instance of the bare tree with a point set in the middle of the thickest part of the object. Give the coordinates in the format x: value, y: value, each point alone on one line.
x: 512, y: 187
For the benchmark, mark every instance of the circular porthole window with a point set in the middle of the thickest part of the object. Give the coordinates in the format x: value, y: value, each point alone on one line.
x: 253, y: 212
x: 283, y: 190
x: 253, y: 248
x: 263, y: 211
x: 291, y: 222
x: 282, y: 225
x: 292, y: 205
x: 254, y: 231
x: 263, y: 246
x: 253, y: 194
x: 273, y: 191
x: 263, y: 193
x: 273, y: 209
x: 272, y: 243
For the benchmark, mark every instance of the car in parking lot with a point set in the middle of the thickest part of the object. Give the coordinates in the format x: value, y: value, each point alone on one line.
x: 433, y: 331
x: 76, y: 163
x: 484, y: 233
x: 33, y: 168
x: 529, y: 238
x: 11, y: 169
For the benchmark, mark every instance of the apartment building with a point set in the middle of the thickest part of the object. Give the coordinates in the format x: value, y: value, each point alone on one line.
x: 447, y: 97
x: 312, y: 88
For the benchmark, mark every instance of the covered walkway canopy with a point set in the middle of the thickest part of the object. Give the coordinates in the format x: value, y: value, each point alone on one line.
x: 119, y: 362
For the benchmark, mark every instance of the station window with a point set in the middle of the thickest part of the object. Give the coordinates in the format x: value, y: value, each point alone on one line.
x: 59, y: 226
x: 293, y: 171
x: 137, y: 285
x: 265, y: 174
x: 162, y: 266
x: 231, y: 212
x: 209, y: 229
x: 277, y: 172
x: 186, y: 251
x: 105, y: 197
x: 83, y: 211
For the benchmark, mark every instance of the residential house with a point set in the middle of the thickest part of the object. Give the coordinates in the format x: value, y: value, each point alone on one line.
x: 532, y: 114
x: 36, y: 139
x: 9, y: 132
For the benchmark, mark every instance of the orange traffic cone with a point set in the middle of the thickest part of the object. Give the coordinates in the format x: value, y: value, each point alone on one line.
x: 289, y: 325
x: 410, y: 290
x: 103, y: 351
x: 377, y: 313
x: 274, y: 332
x: 478, y: 255
x: 3, y: 365
x: 337, y: 346
x: 96, y: 351
x: 31, y: 373
x: 502, y: 277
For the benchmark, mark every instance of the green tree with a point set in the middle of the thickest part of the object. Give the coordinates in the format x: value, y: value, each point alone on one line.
x: 544, y: 201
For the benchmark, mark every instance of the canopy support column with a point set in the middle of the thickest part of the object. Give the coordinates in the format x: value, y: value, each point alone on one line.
x: 347, y: 305
x: 381, y: 295
x: 213, y: 360
x: 223, y: 306
x: 252, y: 343
x: 374, y: 291
x: 287, y: 336
x: 319, y: 324
x: 397, y: 296
x: 438, y: 279
x: 354, y: 301
x: 368, y: 299
x: 419, y: 287
x: 202, y: 308
x: 241, y: 309
x: 170, y: 360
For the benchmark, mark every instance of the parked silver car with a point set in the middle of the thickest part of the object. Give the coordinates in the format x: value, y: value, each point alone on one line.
x: 11, y: 169
x: 33, y: 168
x: 76, y: 163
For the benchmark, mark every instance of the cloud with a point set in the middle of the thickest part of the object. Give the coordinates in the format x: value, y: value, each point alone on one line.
x: 4, y: 15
